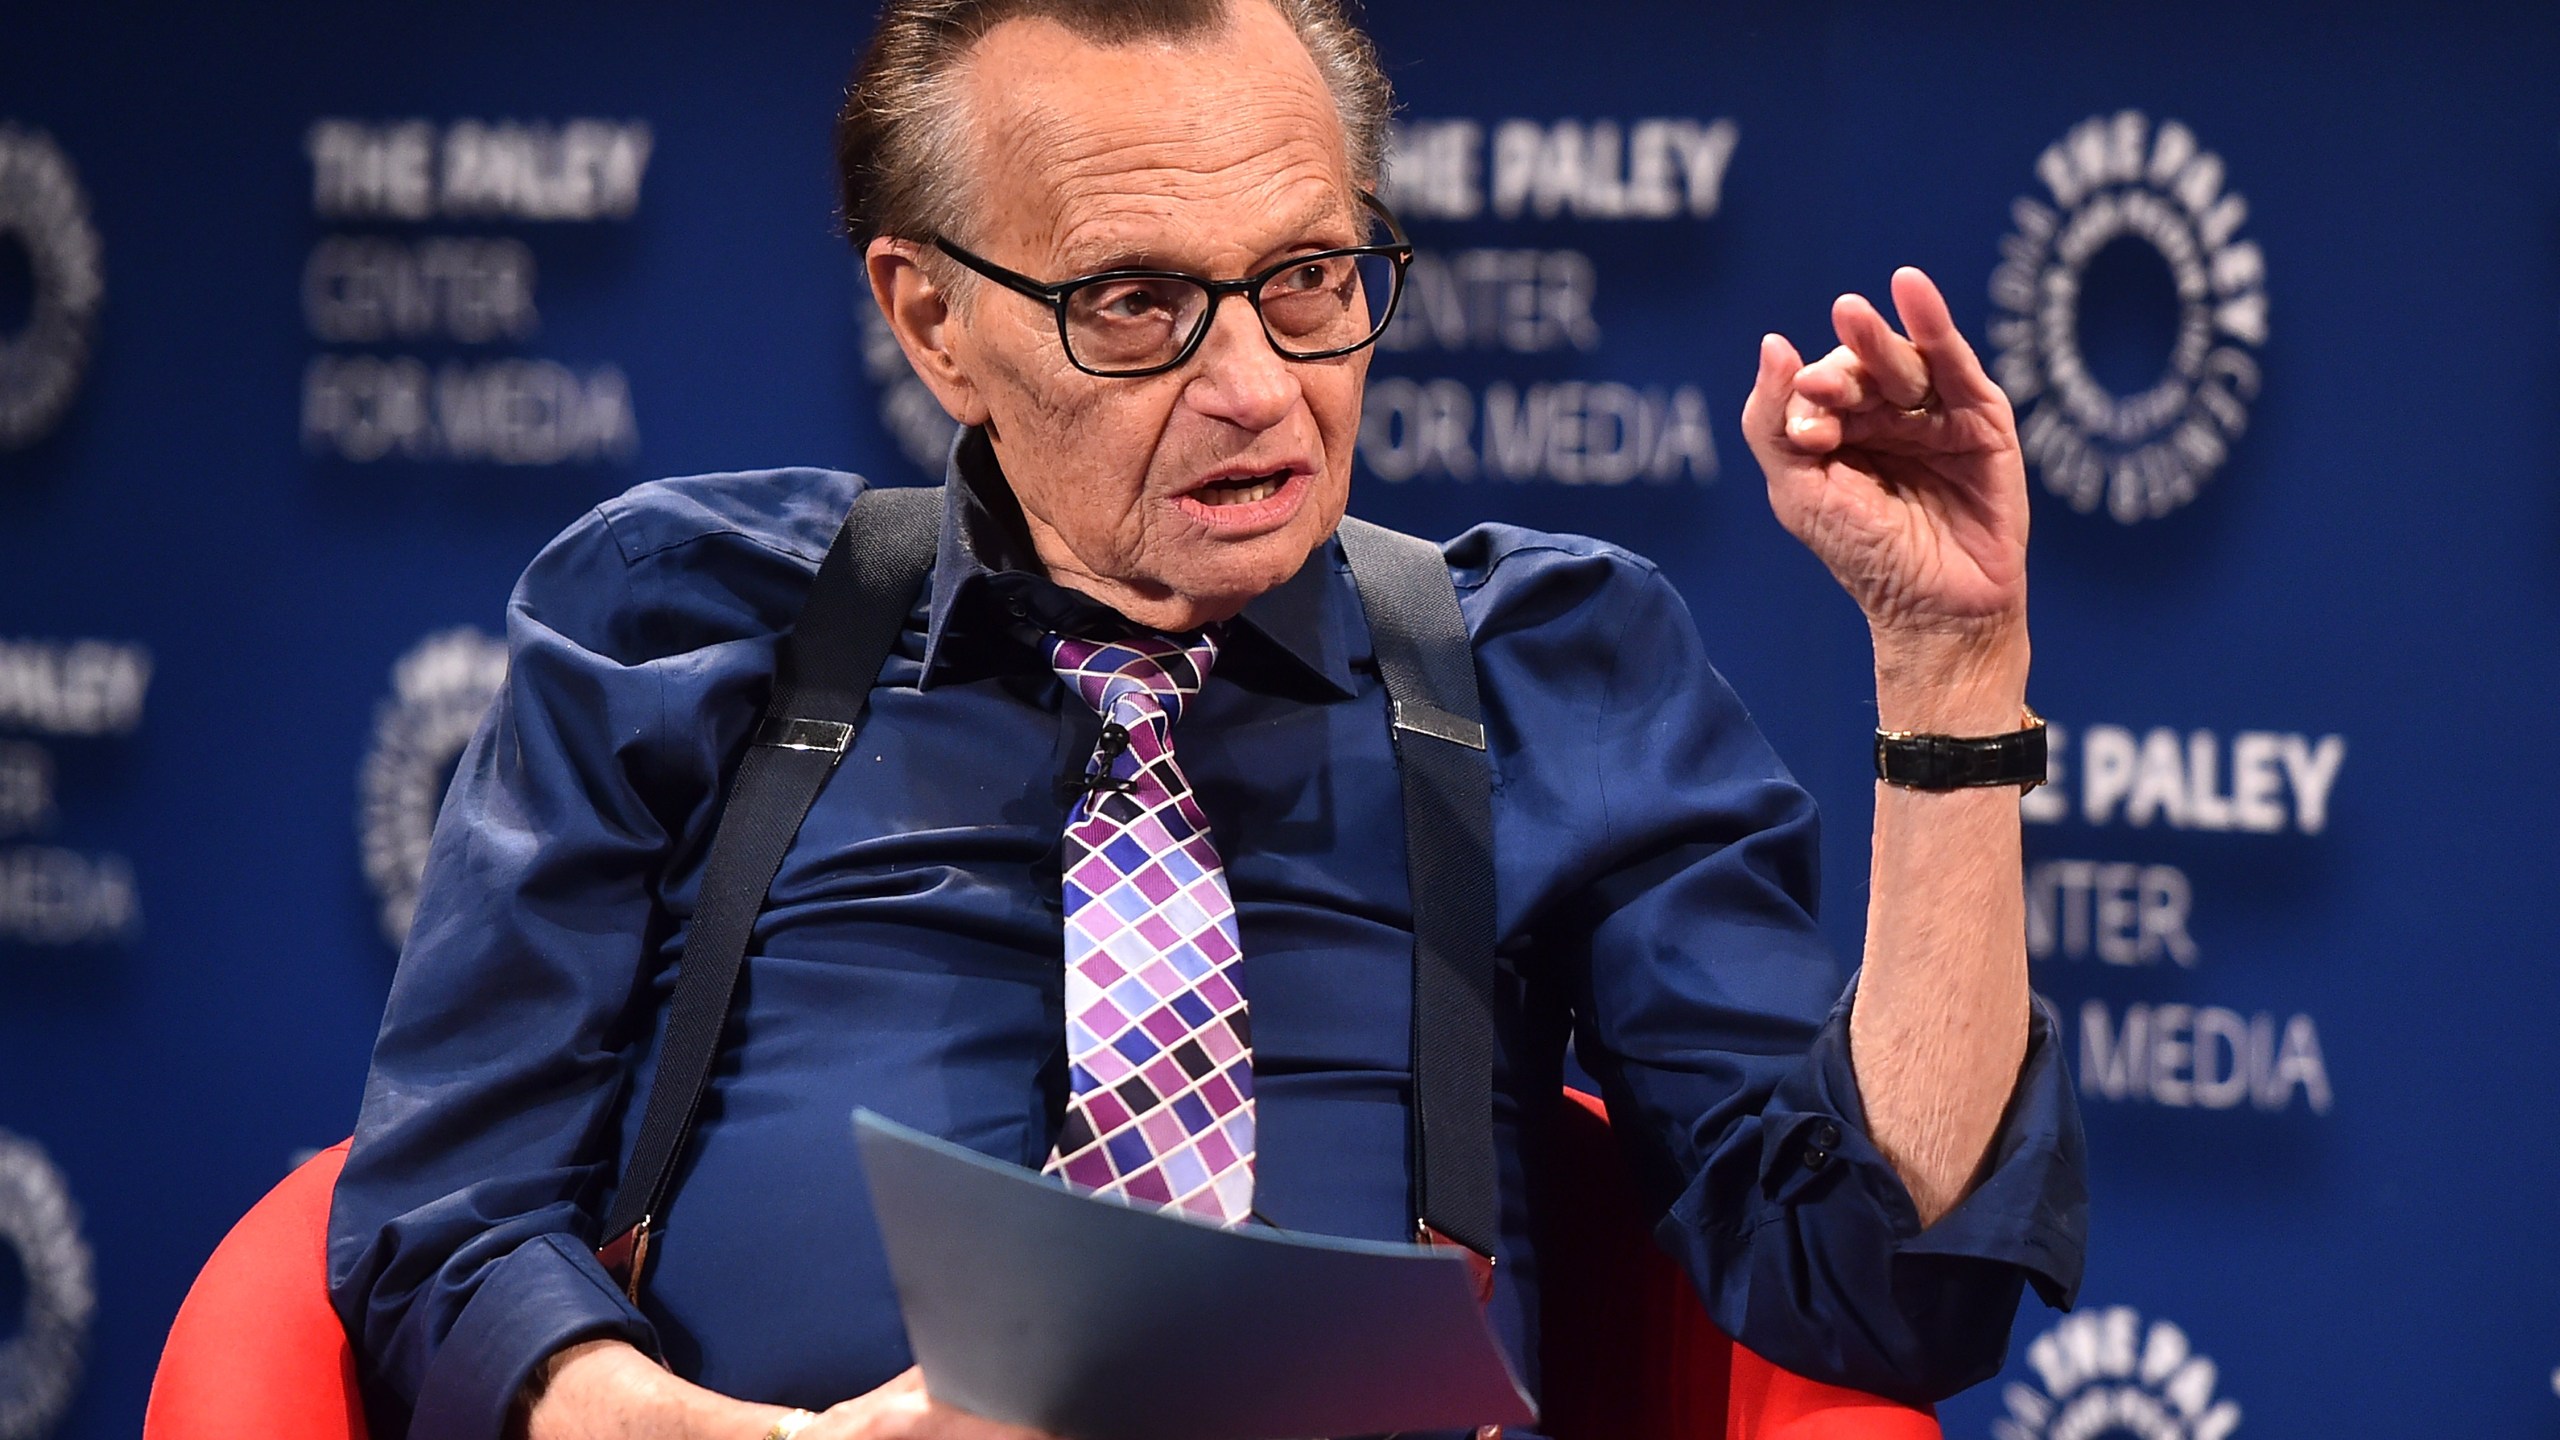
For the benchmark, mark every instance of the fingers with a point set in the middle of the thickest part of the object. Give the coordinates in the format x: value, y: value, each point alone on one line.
x: 1893, y: 366
x: 1830, y: 396
x: 1812, y: 428
x: 1780, y: 423
x: 1778, y: 364
x: 1865, y: 387
x: 1764, y: 414
x: 1837, y: 381
x: 1876, y: 365
x: 904, y: 1409
x: 1953, y: 369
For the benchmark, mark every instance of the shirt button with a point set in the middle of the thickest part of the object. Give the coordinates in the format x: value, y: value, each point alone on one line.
x: 1826, y: 1136
x: 1017, y: 609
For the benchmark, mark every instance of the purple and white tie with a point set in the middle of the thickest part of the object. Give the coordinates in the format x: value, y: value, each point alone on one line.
x: 1159, y: 1050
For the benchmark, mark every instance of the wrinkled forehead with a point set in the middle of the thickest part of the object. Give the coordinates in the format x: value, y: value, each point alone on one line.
x: 1088, y: 154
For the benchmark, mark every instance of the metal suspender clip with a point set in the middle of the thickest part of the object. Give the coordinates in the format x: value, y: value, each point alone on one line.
x: 626, y: 1256
x: 783, y: 732
x: 1439, y: 724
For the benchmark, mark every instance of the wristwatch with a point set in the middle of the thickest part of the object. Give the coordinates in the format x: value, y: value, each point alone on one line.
x: 1952, y: 762
x: 790, y: 1425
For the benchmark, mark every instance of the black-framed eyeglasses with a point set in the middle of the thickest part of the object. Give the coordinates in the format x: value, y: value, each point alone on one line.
x: 1123, y: 324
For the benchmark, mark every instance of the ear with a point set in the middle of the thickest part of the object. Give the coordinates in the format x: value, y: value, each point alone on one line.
x: 927, y: 323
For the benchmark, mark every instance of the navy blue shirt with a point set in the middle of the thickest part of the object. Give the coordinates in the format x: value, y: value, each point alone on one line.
x: 1655, y: 871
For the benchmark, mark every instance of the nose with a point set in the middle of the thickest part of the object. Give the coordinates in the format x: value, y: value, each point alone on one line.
x: 1240, y: 379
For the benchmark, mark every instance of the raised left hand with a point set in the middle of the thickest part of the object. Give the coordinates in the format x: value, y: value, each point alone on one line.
x: 1896, y: 461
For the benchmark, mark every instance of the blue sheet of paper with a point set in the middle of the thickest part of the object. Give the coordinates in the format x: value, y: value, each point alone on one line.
x: 1034, y: 1305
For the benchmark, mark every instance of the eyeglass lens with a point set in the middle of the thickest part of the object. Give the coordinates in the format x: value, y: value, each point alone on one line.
x: 1327, y: 304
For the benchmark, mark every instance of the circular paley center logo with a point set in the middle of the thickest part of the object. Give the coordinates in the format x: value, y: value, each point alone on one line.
x: 2145, y: 452
x: 2106, y: 1376
x: 439, y: 690
x: 40, y: 1354
x: 46, y: 235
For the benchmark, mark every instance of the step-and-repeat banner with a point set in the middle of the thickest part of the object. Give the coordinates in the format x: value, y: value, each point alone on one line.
x: 317, y: 319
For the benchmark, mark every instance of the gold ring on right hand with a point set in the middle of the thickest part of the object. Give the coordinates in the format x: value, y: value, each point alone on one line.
x: 791, y: 1424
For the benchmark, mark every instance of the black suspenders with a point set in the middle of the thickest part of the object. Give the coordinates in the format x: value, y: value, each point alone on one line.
x: 1430, y: 674
x: 828, y: 663
x: 821, y: 684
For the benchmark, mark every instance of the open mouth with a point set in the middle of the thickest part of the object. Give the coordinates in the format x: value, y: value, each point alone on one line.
x: 1241, y: 489
x: 1240, y: 507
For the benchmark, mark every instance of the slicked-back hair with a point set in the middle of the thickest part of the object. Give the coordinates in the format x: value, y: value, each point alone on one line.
x: 899, y: 166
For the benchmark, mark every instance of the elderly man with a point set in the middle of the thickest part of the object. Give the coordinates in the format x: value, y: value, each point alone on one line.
x: 1145, y: 497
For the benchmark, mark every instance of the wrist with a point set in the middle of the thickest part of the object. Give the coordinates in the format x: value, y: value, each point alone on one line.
x: 1962, y: 682
x: 607, y: 1388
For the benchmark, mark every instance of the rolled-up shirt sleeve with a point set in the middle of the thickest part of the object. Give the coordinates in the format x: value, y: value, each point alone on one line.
x: 461, y: 1237
x: 1716, y: 1022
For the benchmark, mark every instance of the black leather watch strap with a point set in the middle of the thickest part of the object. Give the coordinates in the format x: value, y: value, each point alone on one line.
x: 1951, y: 762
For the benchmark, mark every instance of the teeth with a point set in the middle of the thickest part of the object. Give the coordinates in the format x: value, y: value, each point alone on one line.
x: 1228, y: 494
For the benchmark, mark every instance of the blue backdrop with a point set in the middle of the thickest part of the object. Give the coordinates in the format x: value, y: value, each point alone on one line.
x: 316, y: 322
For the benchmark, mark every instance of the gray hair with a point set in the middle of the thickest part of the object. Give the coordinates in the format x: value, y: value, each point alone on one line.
x: 898, y: 138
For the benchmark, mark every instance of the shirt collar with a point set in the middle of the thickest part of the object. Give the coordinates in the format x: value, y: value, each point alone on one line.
x: 990, y: 601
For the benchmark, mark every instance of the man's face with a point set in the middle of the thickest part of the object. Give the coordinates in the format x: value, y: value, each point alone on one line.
x: 1177, y: 497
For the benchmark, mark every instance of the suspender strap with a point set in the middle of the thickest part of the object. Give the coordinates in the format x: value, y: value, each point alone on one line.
x: 827, y: 665
x: 828, y: 662
x: 1429, y: 669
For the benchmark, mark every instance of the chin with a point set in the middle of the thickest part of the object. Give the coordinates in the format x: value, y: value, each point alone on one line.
x: 1217, y: 592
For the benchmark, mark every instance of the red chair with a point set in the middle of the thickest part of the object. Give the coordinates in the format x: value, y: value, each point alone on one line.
x: 1630, y: 1353
x: 258, y: 1354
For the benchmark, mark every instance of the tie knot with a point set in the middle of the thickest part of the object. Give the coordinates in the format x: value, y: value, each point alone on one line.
x: 1140, y: 674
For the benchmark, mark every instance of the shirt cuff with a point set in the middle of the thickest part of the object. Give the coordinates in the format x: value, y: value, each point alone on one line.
x: 549, y: 1293
x: 2029, y: 1211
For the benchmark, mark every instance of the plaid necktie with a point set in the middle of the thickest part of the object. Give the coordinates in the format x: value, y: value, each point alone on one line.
x: 1160, y: 1058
